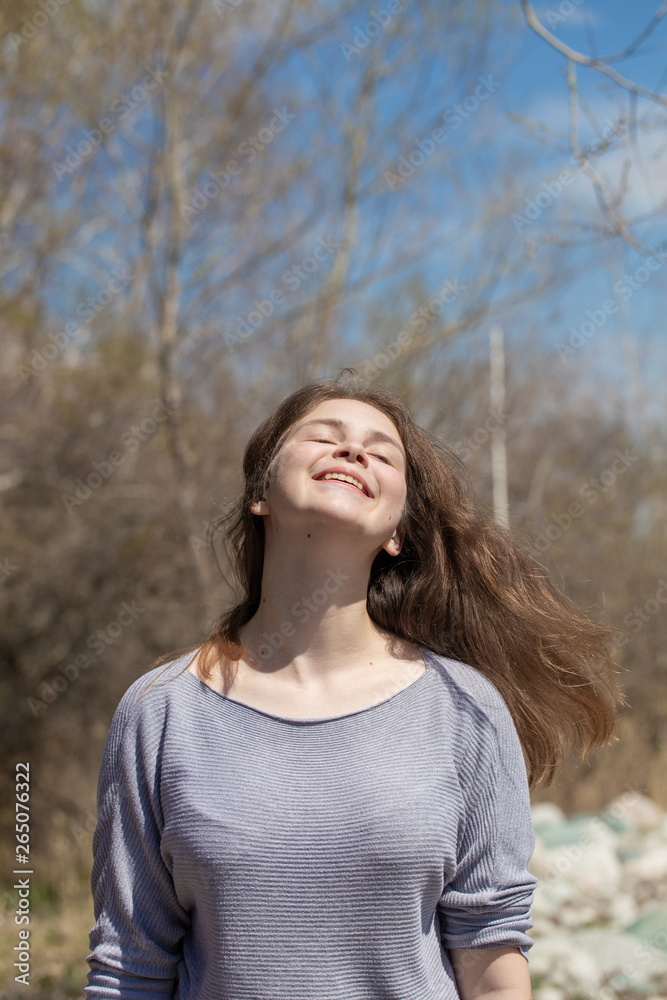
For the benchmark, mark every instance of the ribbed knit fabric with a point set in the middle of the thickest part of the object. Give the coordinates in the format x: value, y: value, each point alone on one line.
x: 241, y: 855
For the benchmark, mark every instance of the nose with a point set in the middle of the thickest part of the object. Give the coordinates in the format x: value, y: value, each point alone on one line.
x: 352, y: 450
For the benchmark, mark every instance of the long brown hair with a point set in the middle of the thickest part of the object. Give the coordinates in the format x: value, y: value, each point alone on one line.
x: 462, y: 586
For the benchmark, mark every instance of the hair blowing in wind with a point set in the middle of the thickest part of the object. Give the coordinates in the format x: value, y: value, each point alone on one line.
x: 462, y: 586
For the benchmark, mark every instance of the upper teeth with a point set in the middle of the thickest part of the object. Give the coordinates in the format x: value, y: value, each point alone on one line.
x: 346, y: 479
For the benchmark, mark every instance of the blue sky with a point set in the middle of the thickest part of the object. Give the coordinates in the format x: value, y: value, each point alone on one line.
x: 449, y: 190
x: 533, y: 86
x: 536, y: 84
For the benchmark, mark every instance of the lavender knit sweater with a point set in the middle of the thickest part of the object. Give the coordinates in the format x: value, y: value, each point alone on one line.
x: 240, y: 855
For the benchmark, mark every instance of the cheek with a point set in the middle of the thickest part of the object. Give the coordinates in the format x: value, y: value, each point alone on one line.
x: 395, y: 490
x: 284, y: 470
x: 403, y: 502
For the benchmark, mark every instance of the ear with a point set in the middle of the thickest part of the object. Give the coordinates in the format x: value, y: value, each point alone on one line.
x: 395, y: 543
x: 259, y: 507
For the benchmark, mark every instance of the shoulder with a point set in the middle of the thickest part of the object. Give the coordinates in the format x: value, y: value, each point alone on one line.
x: 474, y: 701
x: 467, y: 685
x: 153, y: 695
x: 484, y: 735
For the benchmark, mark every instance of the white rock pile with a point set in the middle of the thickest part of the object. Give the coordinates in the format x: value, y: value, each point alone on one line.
x: 600, y: 907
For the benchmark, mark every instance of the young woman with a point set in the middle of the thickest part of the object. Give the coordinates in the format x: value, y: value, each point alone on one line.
x: 328, y: 799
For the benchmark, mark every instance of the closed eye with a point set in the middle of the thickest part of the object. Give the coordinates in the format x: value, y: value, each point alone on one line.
x: 382, y: 458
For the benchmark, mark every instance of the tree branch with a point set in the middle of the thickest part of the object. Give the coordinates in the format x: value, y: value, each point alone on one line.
x: 597, y: 64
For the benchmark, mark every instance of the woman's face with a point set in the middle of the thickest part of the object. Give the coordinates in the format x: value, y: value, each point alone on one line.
x: 341, y: 437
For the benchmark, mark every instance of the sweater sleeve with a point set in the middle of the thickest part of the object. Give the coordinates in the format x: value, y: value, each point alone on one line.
x: 136, y: 943
x: 488, y: 901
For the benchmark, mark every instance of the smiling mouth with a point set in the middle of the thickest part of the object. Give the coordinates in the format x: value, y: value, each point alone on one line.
x: 341, y: 482
x: 336, y: 477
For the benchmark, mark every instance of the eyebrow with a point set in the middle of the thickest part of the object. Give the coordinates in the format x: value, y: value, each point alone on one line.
x: 341, y: 425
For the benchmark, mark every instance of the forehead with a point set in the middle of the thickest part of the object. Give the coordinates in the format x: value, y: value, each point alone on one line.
x: 356, y: 415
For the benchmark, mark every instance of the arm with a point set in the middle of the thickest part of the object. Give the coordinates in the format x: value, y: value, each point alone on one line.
x: 491, y: 974
x: 486, y: 903
x: 136, y: 943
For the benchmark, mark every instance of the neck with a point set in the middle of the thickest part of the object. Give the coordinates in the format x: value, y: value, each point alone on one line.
x: 312, y: 616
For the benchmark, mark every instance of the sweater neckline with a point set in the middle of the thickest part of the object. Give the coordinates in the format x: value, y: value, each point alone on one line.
x: 211, y: 691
